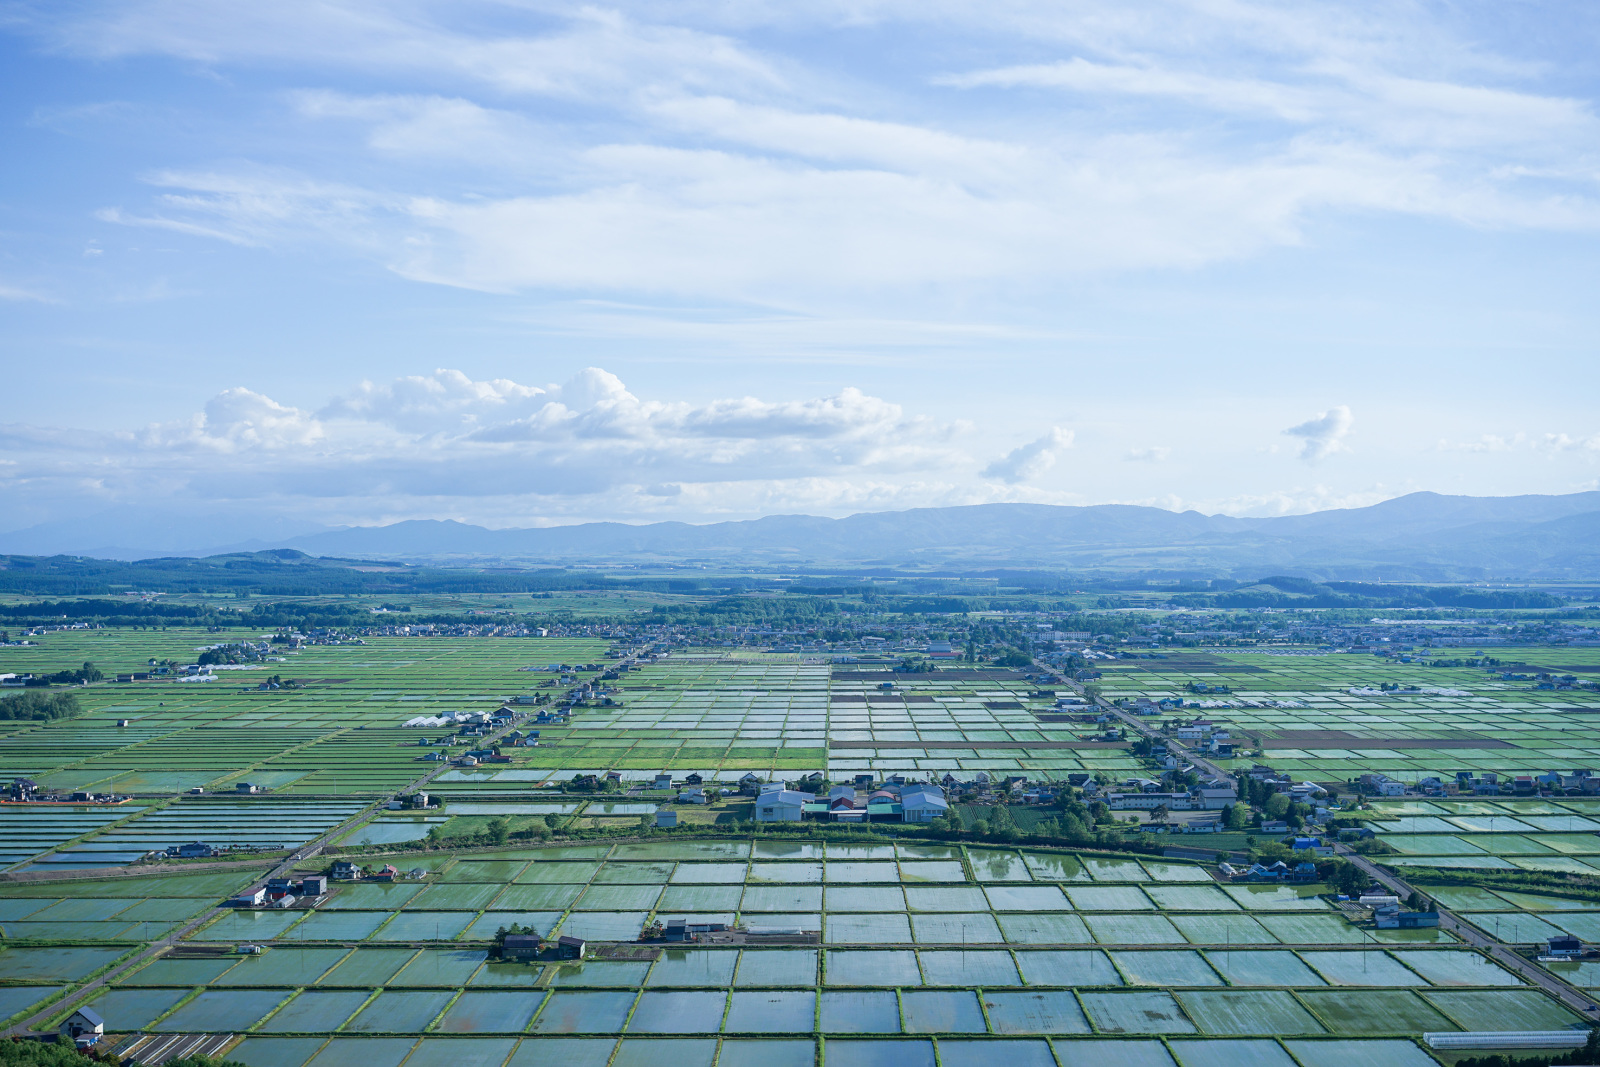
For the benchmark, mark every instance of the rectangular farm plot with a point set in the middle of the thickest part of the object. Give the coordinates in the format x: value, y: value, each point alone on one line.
x: 1133, y: 930
x: 869, y: 968
x: 1135, y: 1013
x: 764, y: 898
x: 944, y: 898
x: 1044, y: 928
x: 1268, y: 968
x: 1067, y: 967
x: 424, y: 926
x: 982, y: 968
x: 1224, y: 930
x: 368, y: 967
x: 714, y: 898
x: 1027, y: 898
x: 538, y: 897
x: 333, y: 925
x: 1112, y: 1052
x: 859, y: 1012
x: 126, y: 1009
x: 484, y: 926
x: 772, y: 1012
x: 446, y: 1052
x: 584, y: 1012
x: 1227, y: 1012
x: 1047, y: 867
x: 1102, y: 869
x: 221, y: 1011
x: 977, y: 928
x: 1109, y: 898
x: 867, y: 928
x: 928, y: 1011
x: 187, y: 972
x: 1508, y: 1009
x: 1375, y: 1011
x: 701, y: 873
x: 805, y: 873
x: 279, y: 966
x: 682, y: 1012
x: 619, y: 898
x: 1034, y: 1012
x: 489, y: 1013
x: 860, y: 871
x: 1275, y: 898
x: 442, y: 968
x: 555, y: 872
x: 995, y: 866
x: 694, y: 967
x: 865, y: 898
x: 932, y: 871
x: 1190, y: 898
x: 604, y: 925
x: 777, y: 967
x: 1456, y: 967
x: 1165, y: 968
x: 315, y: 1011
x: 1364, y: 967
x: 616, y: 974
x: 470, y: 896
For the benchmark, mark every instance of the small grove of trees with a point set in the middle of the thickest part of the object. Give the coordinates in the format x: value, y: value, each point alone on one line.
x: 71, y: 676
x: 500, y: 935
x: 39, y: 706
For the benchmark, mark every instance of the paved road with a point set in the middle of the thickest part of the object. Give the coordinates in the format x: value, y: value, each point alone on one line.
x: 1579, y: 1001
x: 1174, y: 746
x: 299, y: 855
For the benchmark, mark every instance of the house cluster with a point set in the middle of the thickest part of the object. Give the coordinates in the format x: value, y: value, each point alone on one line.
x: 1146, y: 794
x: 348, y: 871
x: 1278, y: 871
x: 896, y: 800
x: 283, y: 893
x: 26, y: 790
x: 1550, y: 783
x: 469, y: 723
x: 525, y: 947
x: 1488, y: 783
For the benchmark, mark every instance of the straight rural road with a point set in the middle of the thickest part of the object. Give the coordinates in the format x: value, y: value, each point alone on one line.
x: 1576, y: 999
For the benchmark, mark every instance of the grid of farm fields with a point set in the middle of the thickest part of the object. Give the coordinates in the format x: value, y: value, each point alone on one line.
x: 922, y: 953
x: 958, y: 952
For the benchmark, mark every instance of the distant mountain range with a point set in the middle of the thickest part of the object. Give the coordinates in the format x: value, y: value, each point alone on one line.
x: 1420, y: 537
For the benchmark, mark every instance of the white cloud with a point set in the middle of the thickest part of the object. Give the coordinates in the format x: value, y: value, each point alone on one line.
x: 1553, y: 443
x: 1026, y: 462
x: 499, y: 447
x: 1149, y: 454
x: 1324, y: 435
x: 691, y: 162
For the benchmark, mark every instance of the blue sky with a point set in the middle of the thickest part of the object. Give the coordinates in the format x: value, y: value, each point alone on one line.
x: 516, y: 263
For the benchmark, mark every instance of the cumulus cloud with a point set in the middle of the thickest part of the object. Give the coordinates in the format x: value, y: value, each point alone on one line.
x: 1149, y: 454
x: 1324, y: 435
x: 507, y: 447
x: 1026, y: 462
